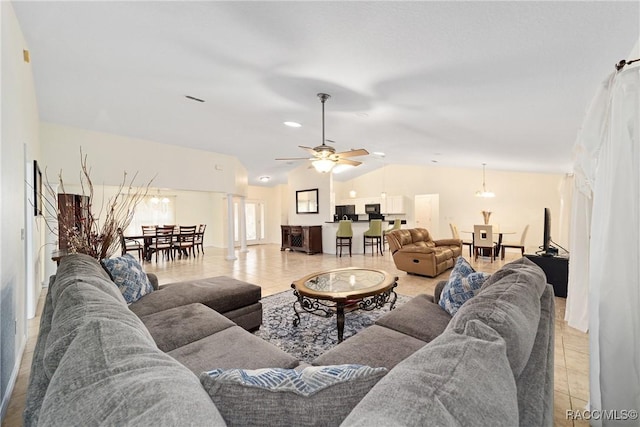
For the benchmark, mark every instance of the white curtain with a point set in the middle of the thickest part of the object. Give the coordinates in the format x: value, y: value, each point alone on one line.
x: 605, y: 257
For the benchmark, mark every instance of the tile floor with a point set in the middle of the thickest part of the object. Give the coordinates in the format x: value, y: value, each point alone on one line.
x: 274, y: 271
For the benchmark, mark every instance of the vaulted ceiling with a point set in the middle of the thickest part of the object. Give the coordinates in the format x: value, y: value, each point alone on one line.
x: 442, y: 83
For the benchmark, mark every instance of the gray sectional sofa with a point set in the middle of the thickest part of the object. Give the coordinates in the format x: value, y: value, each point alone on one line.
x: 98, y: 361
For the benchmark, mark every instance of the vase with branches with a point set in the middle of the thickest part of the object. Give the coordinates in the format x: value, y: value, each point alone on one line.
x: 93, y: 230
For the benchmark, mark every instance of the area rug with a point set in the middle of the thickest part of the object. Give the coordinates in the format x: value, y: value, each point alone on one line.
x: 315, y: 334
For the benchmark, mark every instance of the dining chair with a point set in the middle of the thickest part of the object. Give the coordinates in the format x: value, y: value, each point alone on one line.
x: 198, y: 243
x: 456, y: 235
x: 129, y: 245
x: 516, y: 245
x: 373, y: 236
x: 397, y: 225
x: 344, y: 236
x: 149, y: 230
x: 483, y: 241
x: 163, y: 242
x: 184, y: 241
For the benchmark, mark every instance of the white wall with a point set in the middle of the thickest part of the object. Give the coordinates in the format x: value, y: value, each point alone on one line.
x: 173, y: 167
x: 19, y: 146
x: 520, y: 197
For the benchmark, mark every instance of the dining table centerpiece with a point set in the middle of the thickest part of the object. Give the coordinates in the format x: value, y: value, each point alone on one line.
x: 485, y: 216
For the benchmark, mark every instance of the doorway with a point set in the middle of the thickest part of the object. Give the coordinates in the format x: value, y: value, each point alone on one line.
x: 254, y: 215
x: 427, y: 212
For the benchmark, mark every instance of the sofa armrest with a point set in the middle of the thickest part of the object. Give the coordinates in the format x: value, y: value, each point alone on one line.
x: 154, y: 280
x: 448, y: 242
x: 438, y: 290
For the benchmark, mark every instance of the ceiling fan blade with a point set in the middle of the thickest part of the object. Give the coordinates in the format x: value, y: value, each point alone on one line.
x: 348, y: 162
x: 293, y: 158
x: 353, y: 153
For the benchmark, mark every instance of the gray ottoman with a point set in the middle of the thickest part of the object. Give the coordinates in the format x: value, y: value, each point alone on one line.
x: 236, y: 300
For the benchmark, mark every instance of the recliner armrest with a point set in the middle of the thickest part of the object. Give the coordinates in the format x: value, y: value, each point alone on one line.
x: 448, y: 242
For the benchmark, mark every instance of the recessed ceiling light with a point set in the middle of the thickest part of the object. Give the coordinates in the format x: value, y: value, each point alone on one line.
x: 264, y: 178
x: 379, y: 153
x: 293, y: 124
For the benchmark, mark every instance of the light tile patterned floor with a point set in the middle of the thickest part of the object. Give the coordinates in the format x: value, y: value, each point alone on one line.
x: 274, y: 270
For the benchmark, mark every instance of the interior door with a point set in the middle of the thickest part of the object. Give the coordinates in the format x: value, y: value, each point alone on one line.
x: 427, y: 208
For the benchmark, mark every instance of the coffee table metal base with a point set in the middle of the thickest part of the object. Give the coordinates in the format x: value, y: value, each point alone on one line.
x: 326, y: 308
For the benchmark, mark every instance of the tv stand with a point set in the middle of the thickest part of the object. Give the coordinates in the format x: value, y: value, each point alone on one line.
x: 556, y: 269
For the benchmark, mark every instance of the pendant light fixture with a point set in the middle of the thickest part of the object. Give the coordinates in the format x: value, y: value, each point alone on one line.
x: 484, y: 192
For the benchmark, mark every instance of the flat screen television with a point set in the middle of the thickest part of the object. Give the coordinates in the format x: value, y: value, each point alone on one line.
x: 546, y: 237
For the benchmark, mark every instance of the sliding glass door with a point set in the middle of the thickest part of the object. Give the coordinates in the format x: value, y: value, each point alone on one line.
x: 254, y: 212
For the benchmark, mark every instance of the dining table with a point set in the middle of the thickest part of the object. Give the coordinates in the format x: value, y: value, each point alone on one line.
x: 499, y: 233
x: 147, y: 241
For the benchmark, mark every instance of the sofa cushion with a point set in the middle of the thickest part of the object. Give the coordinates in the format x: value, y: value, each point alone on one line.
x: 286, y: 397
x: 180, y: 326
x: 464, y: 282
x: 510, y: 304
x: 76, y: 268
x: 535, y: 383
x: 232, y: 348
x: 112, y: 375
x: 419, y: 318
x: 374, y: 346
x: 77, y: 305
x: 38, y: 380
x: 220, y: 293
x: 456, y: 379
x: 126, y: 272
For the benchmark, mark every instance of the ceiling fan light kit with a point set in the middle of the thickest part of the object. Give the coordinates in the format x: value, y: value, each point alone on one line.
x: 323, y: 165
x: 325, y: 157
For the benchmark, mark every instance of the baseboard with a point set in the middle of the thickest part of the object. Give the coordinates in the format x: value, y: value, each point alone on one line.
x: 12, y: 380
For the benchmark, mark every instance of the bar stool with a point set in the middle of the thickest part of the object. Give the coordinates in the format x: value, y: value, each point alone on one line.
x: 373, y: 236
x: 344, y: 236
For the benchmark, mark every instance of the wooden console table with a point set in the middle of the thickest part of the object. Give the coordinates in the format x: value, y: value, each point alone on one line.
x: 303, y: 238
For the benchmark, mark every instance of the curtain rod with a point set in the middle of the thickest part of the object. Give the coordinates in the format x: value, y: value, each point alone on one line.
x: 620, y: 65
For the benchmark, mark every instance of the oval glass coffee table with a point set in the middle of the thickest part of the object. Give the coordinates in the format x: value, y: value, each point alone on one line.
x: 343, y: 290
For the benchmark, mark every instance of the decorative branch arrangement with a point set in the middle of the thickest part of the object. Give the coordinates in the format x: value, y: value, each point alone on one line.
x: 90, y: 232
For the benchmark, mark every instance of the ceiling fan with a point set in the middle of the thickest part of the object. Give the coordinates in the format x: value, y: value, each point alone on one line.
x: 324, y: 156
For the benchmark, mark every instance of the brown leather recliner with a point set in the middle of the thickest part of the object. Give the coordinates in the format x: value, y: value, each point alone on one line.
x: 414, y: 251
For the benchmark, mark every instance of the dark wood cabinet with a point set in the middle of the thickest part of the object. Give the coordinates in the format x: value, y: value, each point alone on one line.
x: 303, y: 238
x: 72, y: 209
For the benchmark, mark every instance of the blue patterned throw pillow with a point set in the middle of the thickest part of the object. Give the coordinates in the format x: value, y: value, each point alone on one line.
x: 287, y: 396
x: 126, y: 272
x: 463, y: 284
